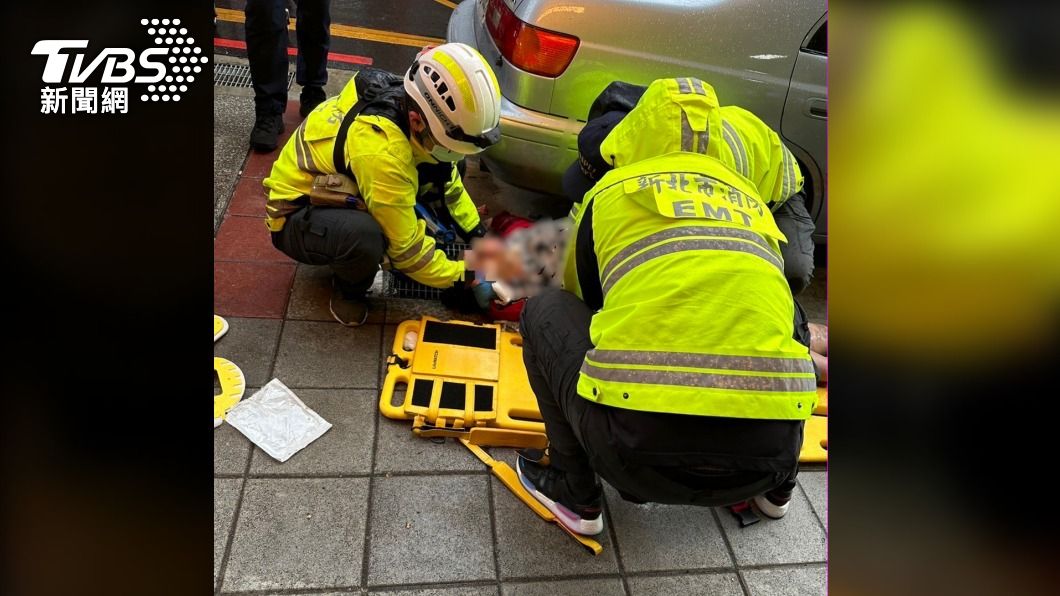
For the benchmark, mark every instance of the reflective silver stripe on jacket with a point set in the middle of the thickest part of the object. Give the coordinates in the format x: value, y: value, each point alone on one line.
x: 788, y: 188
x: 762, y: 364
x: 692, y: 244
x: 701, y: 380
x: 411, y: 252
x: 420, y: 264
x: 683, y: 232
x: 739, y: 154
x: 693, y: 141
x: 302, y: 152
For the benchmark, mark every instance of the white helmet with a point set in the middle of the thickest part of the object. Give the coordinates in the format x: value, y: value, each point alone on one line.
x: 458, y: 94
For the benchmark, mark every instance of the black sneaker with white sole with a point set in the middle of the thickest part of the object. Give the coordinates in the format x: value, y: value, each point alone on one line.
x: 579, y: 514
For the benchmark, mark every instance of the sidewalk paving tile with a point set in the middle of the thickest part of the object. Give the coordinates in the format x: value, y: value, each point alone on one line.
x: 312, y: 293
x: 258, y: 165
x: 816, y: 486
x: 298, y: 533
x: 528, y: 546
x: 248, y: 199
x: 430, y: 529
x: 245, y: 289
x: 338, y: 593
x: 399, y: 310
x: 400, y: 450
x: 654, y: 537
x: 346, y: 448
x: 787, y: 581
x: 225, y: 495
x: 577, y: 587
x: 715, y: 584
x: 795, y: 538
x: 246, y: 239
x: 230, y: 448
x: 250, y: 344
x: 455, y: 591
x: 389, y: 331
x: 328, y: 355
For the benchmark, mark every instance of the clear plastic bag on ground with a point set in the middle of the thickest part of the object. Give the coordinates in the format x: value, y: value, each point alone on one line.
x: 277, y: 421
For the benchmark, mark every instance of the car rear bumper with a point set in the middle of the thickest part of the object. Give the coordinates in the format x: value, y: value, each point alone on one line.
x: 535, y: 149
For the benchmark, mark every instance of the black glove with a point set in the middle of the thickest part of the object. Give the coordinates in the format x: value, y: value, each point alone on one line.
x: 460, y: 298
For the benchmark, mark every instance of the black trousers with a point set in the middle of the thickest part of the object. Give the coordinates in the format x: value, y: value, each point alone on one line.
x: 266, y: 31
x: 795, y: 222
x: 347, y: 240
x: 646, y: 456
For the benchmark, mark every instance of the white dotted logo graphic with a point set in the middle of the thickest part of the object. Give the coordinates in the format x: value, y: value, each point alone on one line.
x: 184, y: 62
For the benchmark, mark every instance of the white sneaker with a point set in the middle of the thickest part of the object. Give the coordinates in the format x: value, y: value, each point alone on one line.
x: 770, y: 509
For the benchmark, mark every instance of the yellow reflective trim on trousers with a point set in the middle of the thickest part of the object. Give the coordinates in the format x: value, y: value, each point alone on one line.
x: 736, y: 146
x: 466, y: 94
x: 682, y: 232
x: 688, y: 245
x: 760, y: 364
x: 700, y: 380
x: 411, y: 252
x: 420, y: 264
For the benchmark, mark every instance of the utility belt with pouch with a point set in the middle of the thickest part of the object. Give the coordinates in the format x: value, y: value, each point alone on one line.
x: 336, y: 190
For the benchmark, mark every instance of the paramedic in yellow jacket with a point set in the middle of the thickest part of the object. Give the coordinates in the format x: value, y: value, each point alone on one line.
x: 670, y: 364
x: 345, y: 189
x: 744, y: 143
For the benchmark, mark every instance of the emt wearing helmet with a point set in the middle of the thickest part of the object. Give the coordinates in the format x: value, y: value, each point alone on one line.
x: 343, y: 191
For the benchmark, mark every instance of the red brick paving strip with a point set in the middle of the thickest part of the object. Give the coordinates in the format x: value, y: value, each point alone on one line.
x: 251, y: 277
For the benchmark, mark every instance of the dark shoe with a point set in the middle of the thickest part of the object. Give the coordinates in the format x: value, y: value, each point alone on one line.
x: 578, y: 513
x: 351, y: 312
x: 310, y: 98
x: 266, y: 133
x: 774, y: 503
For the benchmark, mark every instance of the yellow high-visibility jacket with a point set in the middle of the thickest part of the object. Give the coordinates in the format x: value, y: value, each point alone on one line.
x: 684, y: 115
x: 696, y: 315
x: 383, y: 162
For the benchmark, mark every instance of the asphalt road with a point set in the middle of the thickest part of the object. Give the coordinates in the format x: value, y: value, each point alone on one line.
x: 386, y: 34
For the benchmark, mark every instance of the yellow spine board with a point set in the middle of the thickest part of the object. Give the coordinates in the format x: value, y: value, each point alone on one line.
x: 463, y: 380
x: 464, y: 365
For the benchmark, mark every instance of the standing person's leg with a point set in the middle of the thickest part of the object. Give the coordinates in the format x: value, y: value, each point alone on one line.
x: 266, y: 33
x: 314, y: 40
x: 795, y: 222
x: 349, y: 241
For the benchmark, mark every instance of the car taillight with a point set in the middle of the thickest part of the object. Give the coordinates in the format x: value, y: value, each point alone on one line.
x: 529, y: 48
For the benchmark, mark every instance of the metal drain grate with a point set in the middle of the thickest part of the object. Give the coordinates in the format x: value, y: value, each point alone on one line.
x: 237, y: 75
x: 398, y: 285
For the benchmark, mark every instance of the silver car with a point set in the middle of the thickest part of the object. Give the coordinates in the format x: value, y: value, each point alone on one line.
x: 553, y: 57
